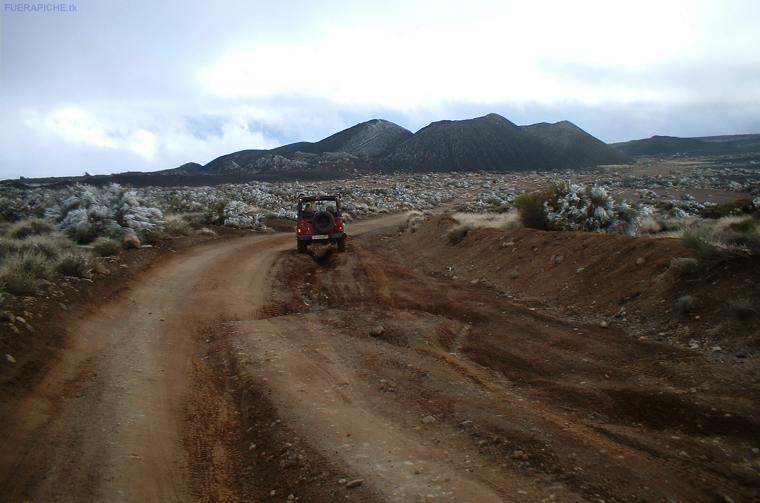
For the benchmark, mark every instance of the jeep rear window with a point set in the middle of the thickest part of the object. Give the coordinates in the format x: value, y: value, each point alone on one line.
x: 306, y: 209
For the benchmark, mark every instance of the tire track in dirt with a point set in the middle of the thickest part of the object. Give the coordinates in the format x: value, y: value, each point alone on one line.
x: 542, y: 386
x: 107, y: 422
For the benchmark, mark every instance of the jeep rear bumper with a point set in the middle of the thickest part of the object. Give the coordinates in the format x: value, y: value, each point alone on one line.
x: 322, y: 238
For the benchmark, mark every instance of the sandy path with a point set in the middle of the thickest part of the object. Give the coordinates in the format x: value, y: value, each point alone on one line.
x: 106, y: 423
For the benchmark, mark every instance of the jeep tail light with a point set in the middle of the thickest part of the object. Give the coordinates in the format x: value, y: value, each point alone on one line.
x: 340, y: 227
x: 299, y: 230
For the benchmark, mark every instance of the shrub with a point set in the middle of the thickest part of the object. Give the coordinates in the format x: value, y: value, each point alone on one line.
x: 51, y: 246
x: 722, y: 238
x: 34, y: 263
x: 176, y: 226
x: 74, y: 264
x: 697, y: 239
x: 82, y: 232
x: 30, y: 227
x: 568, y: 206
x: 683, y: 266
x: 19, y: 274
x: 8, y: 247
x: 685, y: 305
x: 214, y: 214
x: 413, y: 220
x: 532, y: 212
x: 131, y: 241
x: 740, y: 206
x: 649, y: 225
x: 741, y: 308
x: 85, y: 212
x: 17, y: 281
x: 458, y: 233
x: 106, y: 247
x: 152, y: 236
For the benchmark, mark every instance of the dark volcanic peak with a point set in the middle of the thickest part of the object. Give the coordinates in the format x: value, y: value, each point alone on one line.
x: 494, y: 143
x: 490, y: 142
x: 565, y: 143
x: 370, y: 139
x: 373, y: 138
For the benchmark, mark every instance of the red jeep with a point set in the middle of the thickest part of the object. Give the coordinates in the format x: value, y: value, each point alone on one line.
x: 319, y: 221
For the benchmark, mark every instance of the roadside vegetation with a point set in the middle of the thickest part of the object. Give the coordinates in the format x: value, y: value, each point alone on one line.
x: 32, y: 251
x: 569, y: 206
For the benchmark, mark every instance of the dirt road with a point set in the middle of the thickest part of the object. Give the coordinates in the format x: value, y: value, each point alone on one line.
x: 238, y: 370
x: 107, y: 422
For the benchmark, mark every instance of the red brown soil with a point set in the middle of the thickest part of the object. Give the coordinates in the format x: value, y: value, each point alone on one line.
x: 270, y: 374
x: 58, y: 304
x: 598, y: 277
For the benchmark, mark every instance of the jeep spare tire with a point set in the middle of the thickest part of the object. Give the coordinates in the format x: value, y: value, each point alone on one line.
x: 323, y: 222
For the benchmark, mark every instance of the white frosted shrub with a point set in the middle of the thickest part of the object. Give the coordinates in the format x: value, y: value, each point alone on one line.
x: 575, y: 207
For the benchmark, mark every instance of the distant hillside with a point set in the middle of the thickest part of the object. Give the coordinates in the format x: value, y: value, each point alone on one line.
x: 370, y: 139
x: 490, y: 143
x: 494, y: 143
x: 564, y: 142
x: 483, y: 143
x: 707, y: 145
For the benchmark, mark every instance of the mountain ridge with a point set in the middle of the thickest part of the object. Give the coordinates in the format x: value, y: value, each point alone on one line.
x: 487, y: 143
x: 490, y: 142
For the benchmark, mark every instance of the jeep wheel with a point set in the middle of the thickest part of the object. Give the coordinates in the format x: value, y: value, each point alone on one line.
x: 341, y: 244
x: 302, y: 246
x: 323, y: 222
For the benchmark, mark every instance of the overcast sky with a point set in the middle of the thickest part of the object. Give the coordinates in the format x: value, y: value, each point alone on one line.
x: 111, y: 86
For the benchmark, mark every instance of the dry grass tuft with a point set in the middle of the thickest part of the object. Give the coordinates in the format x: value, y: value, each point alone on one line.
x: 75, y: 265
x: 507, y: 220
x: 205, y: 231
x: 30, y: 227
x: 176, y: 225
x: 106, y: 247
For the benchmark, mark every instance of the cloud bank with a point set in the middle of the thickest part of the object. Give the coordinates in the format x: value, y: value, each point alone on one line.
x: 137, y: 86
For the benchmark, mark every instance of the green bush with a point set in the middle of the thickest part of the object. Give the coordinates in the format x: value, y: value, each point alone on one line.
x: 531, y: 208
x: 30, y: 227
x: 106, y: 247
x: 697, y: 239
x: 17, y: 281
x: 82, y: 234
x: 740, y: 206
x: 723, y: 238
x: 152, y: 236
